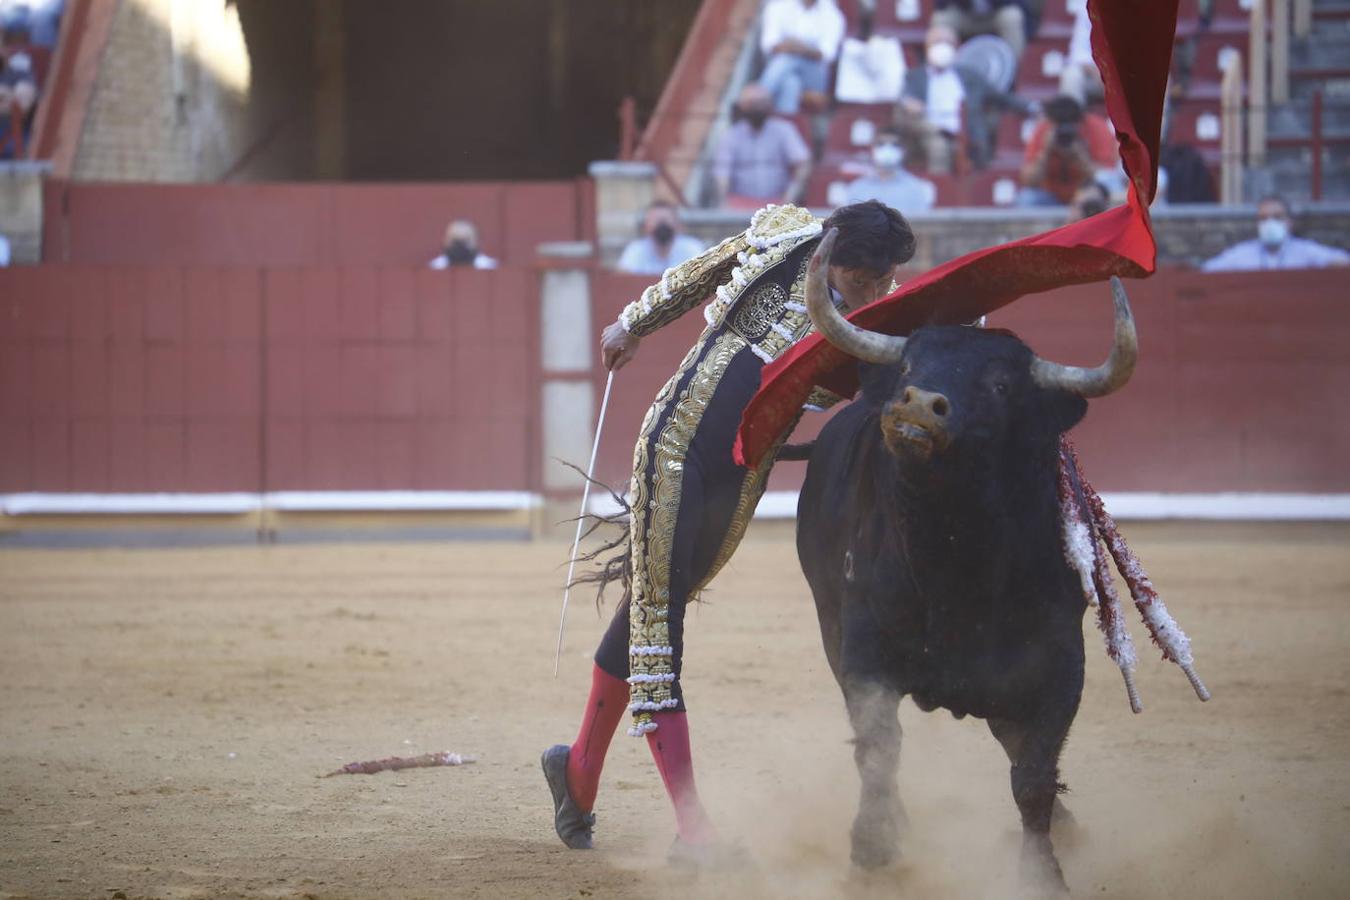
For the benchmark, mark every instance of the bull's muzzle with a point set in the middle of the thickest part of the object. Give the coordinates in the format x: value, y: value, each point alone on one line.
x: 915, y: 423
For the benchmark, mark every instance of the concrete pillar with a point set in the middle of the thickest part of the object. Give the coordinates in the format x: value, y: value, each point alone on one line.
x: 568, y: 353
x: 21, y: 209
x: 622, y: 192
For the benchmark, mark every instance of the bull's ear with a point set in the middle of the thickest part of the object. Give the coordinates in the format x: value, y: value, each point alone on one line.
x: 1065, y: 410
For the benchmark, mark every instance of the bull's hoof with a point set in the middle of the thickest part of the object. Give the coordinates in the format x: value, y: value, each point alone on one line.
x: 875, y: 845
x: 1040, y: 873
x: 572, y: 825
x: 717, y: 856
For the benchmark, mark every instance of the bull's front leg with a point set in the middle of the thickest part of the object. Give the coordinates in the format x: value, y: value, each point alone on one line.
x: 872, y: 710
x: 1033, y: 749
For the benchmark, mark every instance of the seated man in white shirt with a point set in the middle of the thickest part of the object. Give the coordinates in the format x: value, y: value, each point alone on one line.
x: 461, y: 248
x: 889, y: 182
x: 662, y: 245
x: 1274, y: 247
x: 943, y: 106
x: 800, y: 39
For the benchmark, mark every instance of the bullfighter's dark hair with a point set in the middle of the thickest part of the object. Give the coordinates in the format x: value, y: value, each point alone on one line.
x: 872, y: 237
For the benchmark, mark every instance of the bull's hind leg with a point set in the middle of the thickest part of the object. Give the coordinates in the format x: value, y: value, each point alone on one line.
x: 1033, y: 748
x: 872, y: 710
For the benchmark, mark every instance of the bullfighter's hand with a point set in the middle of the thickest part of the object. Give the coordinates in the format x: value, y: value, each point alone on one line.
x: 617, y: 346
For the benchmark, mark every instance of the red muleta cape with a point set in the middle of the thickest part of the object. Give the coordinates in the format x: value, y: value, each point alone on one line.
x: 1132, y: 44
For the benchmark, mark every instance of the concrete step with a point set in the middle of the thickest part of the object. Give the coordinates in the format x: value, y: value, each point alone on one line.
x: 1294, y: 119
x: 1303, y: 84
x: 1324, y: 51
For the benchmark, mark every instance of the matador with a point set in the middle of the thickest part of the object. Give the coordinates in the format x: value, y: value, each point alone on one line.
x: 690, y: 501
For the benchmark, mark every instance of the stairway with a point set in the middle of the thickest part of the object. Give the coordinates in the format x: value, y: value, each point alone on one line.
x: 1194, y: 116
x: 1319, y: 64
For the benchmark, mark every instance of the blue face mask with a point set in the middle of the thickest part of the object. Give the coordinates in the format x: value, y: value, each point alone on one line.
x: 1272, y: 232
x: 887, y: 156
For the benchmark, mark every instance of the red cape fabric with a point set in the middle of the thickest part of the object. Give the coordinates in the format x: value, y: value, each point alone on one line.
x: 1132, y: 44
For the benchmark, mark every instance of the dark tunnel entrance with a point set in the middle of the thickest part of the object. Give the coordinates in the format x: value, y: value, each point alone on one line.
x: 367, y: 90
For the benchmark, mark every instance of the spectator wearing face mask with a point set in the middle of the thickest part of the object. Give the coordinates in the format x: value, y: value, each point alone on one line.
x: 760, y: 159
x: 941, y: 101
x: 1274, y: 247
x: 799, y: 39
x: 889, y: 182
x: 661, y: 245
x: 967, y: 18
x: 461, y: 248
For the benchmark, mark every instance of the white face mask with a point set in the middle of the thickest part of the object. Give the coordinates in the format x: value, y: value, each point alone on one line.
x: 887, y: 156
x: 1272, y: 232
x: 940, y: 56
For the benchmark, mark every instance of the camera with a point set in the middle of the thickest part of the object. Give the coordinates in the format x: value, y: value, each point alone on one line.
x: 1066, y: 133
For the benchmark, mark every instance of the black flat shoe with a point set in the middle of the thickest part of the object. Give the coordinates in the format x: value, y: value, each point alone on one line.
x: 572, y: 825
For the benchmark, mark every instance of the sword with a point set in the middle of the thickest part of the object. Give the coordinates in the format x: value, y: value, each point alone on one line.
x: 581, y: 520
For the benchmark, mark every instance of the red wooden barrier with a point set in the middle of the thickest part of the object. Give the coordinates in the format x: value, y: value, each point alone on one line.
x: 304, y: 224
x: 132, y: 379
x: 1240, y: 386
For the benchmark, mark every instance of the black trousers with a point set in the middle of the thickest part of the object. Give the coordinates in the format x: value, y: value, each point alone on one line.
x: 711, y: 491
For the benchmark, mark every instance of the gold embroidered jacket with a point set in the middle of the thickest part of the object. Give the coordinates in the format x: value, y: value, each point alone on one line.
x: 724, y: 272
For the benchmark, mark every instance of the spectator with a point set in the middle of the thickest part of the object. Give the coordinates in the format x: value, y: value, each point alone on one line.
x: 1067, y: 148
x: 760, y: 159
x: 942, y: 100
x: 661, y: 245
x: 889, y: 182
x: 799, y: 39
x: 461, y: 248
x: 1080, y: 78
x: 16, y: 101
x: 1091, y: 198
x: 1274, y: 247
x: 967, y: 18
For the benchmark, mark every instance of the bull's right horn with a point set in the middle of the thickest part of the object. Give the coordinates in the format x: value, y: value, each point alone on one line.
x: 1111, y: 375
x: 869, y: 346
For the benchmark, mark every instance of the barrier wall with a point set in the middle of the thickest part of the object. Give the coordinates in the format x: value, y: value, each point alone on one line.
x: 305, y: 224
x: 1241, y: 384
x: 205, y: 379
x: 164, y: 379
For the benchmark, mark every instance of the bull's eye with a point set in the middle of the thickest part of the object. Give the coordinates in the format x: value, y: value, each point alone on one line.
x: 1000, y: 387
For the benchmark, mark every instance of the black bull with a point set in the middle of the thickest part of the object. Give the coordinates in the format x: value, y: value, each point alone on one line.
x: 929, y: 531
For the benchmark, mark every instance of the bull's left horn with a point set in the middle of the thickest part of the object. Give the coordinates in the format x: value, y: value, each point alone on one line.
x: 1111, y: 375
x: 869, y: 346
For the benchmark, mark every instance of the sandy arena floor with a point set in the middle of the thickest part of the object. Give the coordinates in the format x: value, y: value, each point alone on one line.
x: 166, y: 713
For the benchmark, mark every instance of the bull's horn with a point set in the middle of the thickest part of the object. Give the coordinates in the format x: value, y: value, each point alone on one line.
x: 868, y: 346
x: 1111, y: 375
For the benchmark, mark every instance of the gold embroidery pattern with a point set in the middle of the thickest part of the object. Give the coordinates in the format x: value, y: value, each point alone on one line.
x: 638, y: 617
x: 779, y: 223
x: 682, y: 287
x: 821, y: 398
x: 757, y: 313
x: 795, y: 321
x: 651, y: 665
